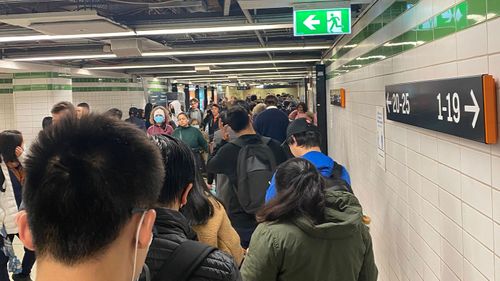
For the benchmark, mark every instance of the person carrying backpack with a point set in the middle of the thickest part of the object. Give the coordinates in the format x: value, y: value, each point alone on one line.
x: 304, y: 140
x: 249, y: 163
x: 175, y: 253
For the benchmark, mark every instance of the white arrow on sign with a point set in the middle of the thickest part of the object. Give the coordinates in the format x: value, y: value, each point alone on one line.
x: 473, y: 108
x: 388, y: 104
x: 310, y: 22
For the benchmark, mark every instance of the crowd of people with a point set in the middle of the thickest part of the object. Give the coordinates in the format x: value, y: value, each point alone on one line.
x: 239, y: 192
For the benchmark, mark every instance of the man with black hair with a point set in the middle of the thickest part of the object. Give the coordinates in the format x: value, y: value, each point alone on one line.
x: 272, y: 122
x: 225, y: 161
x: 304, y: 140
x: 82, y: 109
x: 194, y: 111
x: 61, y: 110
x: 89, y: 200
x: 133, y: 113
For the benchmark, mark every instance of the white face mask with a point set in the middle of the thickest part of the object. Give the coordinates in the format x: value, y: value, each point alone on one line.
x: 196, y: 126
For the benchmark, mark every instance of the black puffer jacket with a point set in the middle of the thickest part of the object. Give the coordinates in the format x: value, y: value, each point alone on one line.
x: 171, y: 229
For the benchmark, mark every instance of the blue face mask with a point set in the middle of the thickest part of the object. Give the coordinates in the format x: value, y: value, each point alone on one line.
x: 159, y: 119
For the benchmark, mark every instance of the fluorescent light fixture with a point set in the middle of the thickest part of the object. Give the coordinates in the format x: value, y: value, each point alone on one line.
x: 255, y: 69
x: 202, y: 64
x: 349, y: 46
x: 233, y: 51
x: 234, y: 74
x: 214, y: 29
x: 64, y: 37
x: 72, y: 57
x: 371, y: 57
x: 239, y: 28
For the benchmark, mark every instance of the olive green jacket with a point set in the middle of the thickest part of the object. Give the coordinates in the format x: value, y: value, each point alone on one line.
x: 297, y: 250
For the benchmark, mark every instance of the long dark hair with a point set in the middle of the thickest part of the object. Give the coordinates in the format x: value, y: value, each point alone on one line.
x: 179, y: 167
x: 9, y: 141
x: 198, y: 209
x: 300, y: 192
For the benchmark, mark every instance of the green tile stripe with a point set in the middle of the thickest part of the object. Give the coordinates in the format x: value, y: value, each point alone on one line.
x: 102, y: 80
x: 157, y: 89
x: 390, y: 14
x: 107, y: 89
x: 30, y: 75
x: 6, y: 91
x: 156, y: 83
x: 41, y: 87
x: 457, y: 18
x: 5, y: 81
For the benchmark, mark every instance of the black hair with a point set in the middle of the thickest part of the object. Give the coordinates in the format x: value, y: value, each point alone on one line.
x: 223, y: 118
x: 243, y: 104
x: 300, y: 192
x: 306, y: 139
x: 253, y: 97
x: 304, y: 106
x: 215, y: 105
x: 9, y: 141
x: 83, y: 180
x: 115, y: 113
x: 84, y: 104
x: 179, y: 168
x: 198, y: 209
x: 46, y: 122
x: 271, y: 100
x: 62, y: 106
x: 238, y: 118
x: 133, y: 111
x: 147, y: 110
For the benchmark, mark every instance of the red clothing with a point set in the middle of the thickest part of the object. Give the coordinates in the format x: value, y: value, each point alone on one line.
x: 157, y: 130
x: 297, y: 115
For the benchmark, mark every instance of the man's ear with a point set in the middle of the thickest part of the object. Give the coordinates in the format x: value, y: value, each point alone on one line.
x: 24, y: 230
x: 146, y: 232
x: 185, y: 194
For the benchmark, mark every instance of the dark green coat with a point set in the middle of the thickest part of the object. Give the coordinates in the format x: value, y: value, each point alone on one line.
x: 297, y: 250
x: 192, y: 137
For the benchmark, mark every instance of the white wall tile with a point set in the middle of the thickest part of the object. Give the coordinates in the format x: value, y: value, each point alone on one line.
x: 452, y: 258
x: 496, y: 232
x: 495, y: 167
x: 496, y: 205
x: 474, y: 66
x: 493, y: 39
x: 449, y: 154
x: 471, y: 273
x: 478, y: 225
x: 479, y: 256
x: 476, y: 164
x: 497, y: 268
x: 477, y: 195
x: 451, y: 206
x: 450, y: 180
x: 478, y: 35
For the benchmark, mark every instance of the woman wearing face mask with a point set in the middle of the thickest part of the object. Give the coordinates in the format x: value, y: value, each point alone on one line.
x: 193, y: 138
x: 160, y: 120
x: 11, y: 184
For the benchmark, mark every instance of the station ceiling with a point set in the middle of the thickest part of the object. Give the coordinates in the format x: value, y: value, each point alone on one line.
x: 185, y: 40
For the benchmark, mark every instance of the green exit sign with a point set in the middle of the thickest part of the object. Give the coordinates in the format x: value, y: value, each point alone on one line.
x: 322, y: 22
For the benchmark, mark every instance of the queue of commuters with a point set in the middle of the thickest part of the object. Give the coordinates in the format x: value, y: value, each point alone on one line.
x: 96, y: 188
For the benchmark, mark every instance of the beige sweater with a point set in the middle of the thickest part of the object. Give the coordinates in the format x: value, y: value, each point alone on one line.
x: 218, y: 232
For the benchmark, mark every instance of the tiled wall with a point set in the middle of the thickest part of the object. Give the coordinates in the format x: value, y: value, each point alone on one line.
x: 34, y: 95
x: 105, y: 93
x: 436, y: 208
x: 6, y: 102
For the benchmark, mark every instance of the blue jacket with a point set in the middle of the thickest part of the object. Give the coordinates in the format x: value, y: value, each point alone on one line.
x: 323, y: 163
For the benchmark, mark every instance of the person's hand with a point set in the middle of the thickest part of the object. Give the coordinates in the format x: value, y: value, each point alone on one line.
x: 19, y: 151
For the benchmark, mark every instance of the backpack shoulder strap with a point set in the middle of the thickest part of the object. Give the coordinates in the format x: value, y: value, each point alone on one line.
x: 337, y: 170
x: 186, y: 258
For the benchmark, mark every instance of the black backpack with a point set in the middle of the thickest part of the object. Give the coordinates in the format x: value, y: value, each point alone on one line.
x: 186, y: 258
x: 255, y: 168
x: 335, y: 181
